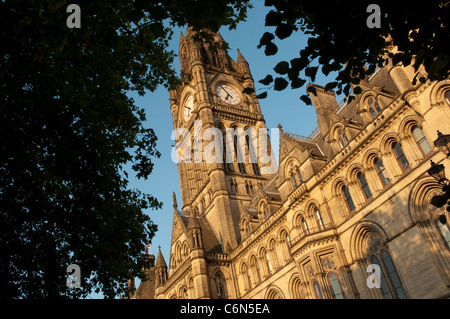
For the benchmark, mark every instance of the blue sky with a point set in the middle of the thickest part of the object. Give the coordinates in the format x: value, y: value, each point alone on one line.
x: 283, y: 107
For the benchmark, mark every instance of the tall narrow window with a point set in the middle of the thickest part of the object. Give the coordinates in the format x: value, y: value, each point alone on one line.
x: 385, y: 290
x: 421, y: 139
x: 247, y: 228
x: 401, y: 158
x: 246, y: 277
x: 239, y: 156
x: 265, y: 210
x: 381, y: 171
x: 317, y: 290
x: 299, y: 175
x: 348, y: 198
x: 294, y: 180
x: 374, y: 107
x: 221, y: 286
x: 227, y: 166
x: 393, y: 276
x: 364, y: 186
x: 319, y: 219
x: 252, y: 156
x: 269, y: 264
x: 445, y: 231
x: 335, y: 286
x: 255, y: 269
x: 247, y: 188
x: 447, y: 97
x: 391, y: 286
x: 305, y: 226
x: 342, y: 138
x: 377, y: 107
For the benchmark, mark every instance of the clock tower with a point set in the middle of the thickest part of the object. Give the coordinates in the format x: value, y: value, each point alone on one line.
x: 211, y: 97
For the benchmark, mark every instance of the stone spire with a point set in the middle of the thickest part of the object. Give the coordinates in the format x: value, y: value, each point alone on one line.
x: 160, y: 268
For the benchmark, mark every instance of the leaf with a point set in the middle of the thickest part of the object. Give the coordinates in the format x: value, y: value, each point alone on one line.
x: 311, y: 89
x: 263, y: 95
x: 248, y: 90
x: 283, y: 31
x: 293, y: 74
x: 355, y: 80
x: 357, y: 90
x: 443, y: 219
x: 56, y: 4
x: 295, y: 63
x: 306, y: 99
x: 311, y: 72
x: 266, y: 38
x: 267, y: 80
x: 326, y: 69
x: 273, y: 18
x: 347, y: 89
x: 157, y: 29
x: 331, y: 85
x: 296, y: 83
x: 282, y: 67
x: 271, y: 49
x: 280, y: 84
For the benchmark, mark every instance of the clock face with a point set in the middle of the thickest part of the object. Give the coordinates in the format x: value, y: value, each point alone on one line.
x: 228, y: 94
x: 188, y: 108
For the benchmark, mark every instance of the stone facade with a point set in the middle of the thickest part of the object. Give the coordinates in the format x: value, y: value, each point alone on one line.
x: 354, y: 194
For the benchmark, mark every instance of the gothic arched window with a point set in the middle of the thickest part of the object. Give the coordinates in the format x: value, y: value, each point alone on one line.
x: 444, y: 230
x: 335, y: 285
x: 364, y: 186
x: 348, y: 198
x: 447, y: 97
x: 319, y: 218
x: 221, y: 286
x: 226, y: 165
x: 421, y: 140
x: 294, y: 181
x: 265, y: 210
x: 252, y: 156
x: 391, y: 286
x: 317, y: 290
x: 246, y: 277
x: 239, y: 156
x: 305, y: 226
x: 374, y: 107
x: 342, y: 138
x: 401, y: 158
x: 379, y: 167
x: 255, y: 270
x: 299, y: 175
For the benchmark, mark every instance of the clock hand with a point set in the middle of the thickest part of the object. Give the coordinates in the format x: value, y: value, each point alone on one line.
x: 228, y: 94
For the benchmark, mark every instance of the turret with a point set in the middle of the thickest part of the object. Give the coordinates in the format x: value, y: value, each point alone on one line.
x: 146, y: 289
x: 243, y: 65
x: 326, y: 106
x: 160, y: 269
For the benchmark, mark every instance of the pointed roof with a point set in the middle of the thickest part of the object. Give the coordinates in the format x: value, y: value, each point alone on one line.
x: 193, y: 222
x: 240, y: 57
x: 146, y: 288
x: 160, y: 262
x: 302, y: 143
